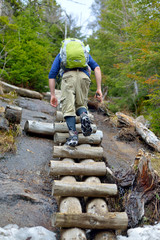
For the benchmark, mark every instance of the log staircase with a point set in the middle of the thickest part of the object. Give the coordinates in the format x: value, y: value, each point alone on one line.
x: 80, y: 194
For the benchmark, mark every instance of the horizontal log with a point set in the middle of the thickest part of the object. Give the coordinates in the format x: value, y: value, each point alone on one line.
x: 73, y: 234
x: 81, y: 189
x: 21, y: 91
x: 37, y: 127
x: 13, y: 114
x: 62, y: 127
x: 111, y: 220
x: 59, y: 117
x: 74, y: 169
x: 70, y: 205
x: 78, y: 152
x: 105, y: 235
x: 93, y: 139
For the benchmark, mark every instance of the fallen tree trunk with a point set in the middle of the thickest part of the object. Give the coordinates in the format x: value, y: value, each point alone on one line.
x: 148, y: 136
x: 13, y: 114
x: 85, y: 169
x: 78, y: 152
x: 81, y: 189
x: 21, y: 91
x: 111, y: 220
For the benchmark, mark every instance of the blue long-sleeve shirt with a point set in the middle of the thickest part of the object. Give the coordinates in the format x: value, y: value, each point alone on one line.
x: 57, y: 64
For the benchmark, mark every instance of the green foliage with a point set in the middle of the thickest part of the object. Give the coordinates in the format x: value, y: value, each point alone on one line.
x: 30, y: 40
x: 126, y: 46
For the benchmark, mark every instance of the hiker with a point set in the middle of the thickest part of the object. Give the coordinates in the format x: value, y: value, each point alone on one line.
x: 74, y: 85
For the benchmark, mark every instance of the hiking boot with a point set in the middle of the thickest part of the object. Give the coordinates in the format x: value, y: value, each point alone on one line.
x: 72, y: 141
x: 85, y: 125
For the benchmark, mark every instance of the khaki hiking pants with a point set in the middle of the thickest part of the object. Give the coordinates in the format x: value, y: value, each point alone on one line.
x: 74, y: 90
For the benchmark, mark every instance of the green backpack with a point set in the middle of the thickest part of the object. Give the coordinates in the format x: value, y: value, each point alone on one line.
x: 74, y: 54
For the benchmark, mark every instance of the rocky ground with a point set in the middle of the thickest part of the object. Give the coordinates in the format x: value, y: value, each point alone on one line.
x: 25, y: 195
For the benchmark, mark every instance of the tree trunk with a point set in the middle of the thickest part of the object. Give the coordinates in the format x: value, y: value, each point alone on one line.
x: 76, y: 169
x: 112, y: 220
x: 83, y: 189
x: 21, y: 91
x: 78, y: 152
x: 13, y: 114
x: 148, y: 136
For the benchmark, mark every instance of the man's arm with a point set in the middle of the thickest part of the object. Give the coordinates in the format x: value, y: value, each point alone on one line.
x: 98, y: 76
x: 53, y: 100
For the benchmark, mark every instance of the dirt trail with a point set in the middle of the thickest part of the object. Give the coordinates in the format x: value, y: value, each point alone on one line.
x: 25, y: 183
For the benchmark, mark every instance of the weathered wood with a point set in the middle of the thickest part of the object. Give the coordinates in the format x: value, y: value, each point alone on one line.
x: 125, y: 120
x: 85, y: 169
x: 105, y: 236
x: 73, y: 234
x: 148, y: 136
x: 62, y: 127
x: 93, y: 139
x: 93, y: 180
x: 70, y: 205
x: 59, y: 117
x: 97, y: 206
x: 112, y: 220
x: 68, y: 179
x: 79, y: 152
x: 143, y: 182
x: 81, y: 189
x: 42, y: 128
x: 21, y: 91
x: 13, y: 114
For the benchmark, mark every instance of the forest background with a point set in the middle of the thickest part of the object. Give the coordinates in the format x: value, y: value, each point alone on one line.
x: 125, y: 42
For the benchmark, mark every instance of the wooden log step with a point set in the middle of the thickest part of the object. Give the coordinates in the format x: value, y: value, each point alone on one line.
x: 78, y: 152
x: 73, y: 234
x: 42, y: 128
x: 74, y: 169
x: 59, y: 117
x: 105, y: 235
x: 97, y: 206
x: 81, y: 189
x: 70, y: 205
x: 48, y: 129
x: 111, y: 220
x: 62, y: 127
x: 93, y: 139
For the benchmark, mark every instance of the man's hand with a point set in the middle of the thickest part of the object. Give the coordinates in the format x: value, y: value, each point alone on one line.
x: 53, y: 101
x: 98, y: 95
